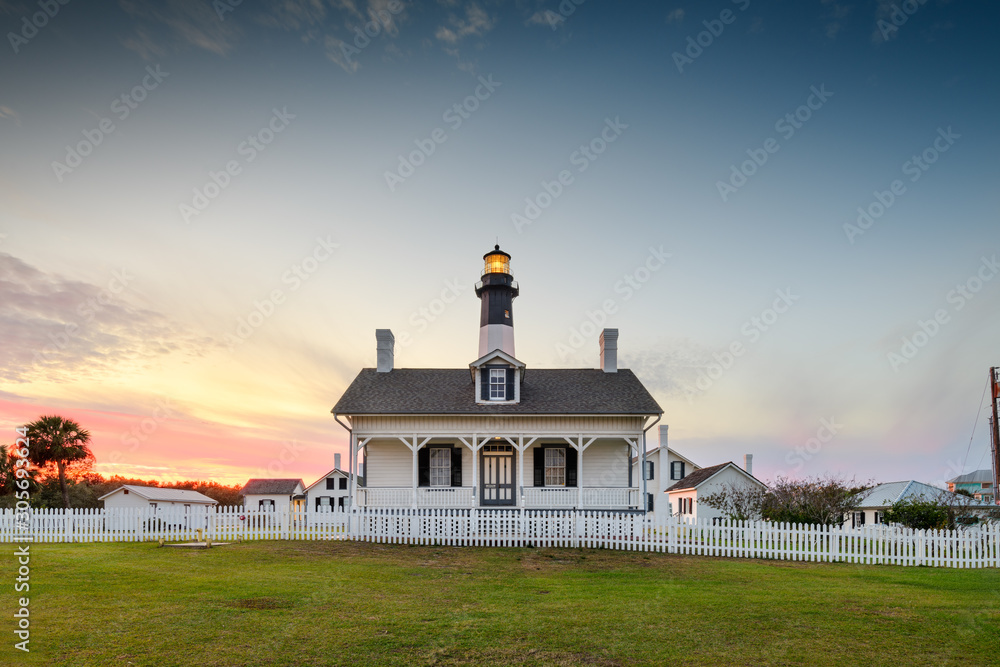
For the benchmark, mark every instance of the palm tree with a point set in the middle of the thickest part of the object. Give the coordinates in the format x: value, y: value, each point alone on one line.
x: 56, y: 441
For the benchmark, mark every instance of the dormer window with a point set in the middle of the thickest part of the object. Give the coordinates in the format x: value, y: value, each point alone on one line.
x: 498, y: 384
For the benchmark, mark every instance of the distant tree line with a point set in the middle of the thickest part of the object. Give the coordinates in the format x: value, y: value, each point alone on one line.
x: 60, y: 470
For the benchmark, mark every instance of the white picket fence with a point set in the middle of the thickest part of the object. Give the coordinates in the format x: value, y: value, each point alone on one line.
x: 972, y: 547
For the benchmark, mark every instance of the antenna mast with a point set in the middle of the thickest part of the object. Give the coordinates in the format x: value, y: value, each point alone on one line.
x: 995, y: 434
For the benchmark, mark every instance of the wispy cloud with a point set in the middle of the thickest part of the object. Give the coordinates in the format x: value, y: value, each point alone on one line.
x: 476, y: 22
x: 58, y: 329
x: 191, y: 22
x: 835, y: 17
x: 546, y: 18
x: 9, y: 114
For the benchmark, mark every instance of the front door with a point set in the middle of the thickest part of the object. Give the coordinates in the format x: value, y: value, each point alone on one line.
x: 497, y: 463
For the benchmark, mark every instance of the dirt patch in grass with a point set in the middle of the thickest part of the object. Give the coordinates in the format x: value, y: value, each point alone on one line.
x: 265, y: 602
x: 516, y: 656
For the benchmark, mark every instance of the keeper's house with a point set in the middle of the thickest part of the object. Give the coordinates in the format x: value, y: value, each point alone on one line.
x: 497, y: 434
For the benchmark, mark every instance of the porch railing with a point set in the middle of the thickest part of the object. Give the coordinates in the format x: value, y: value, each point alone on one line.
x: 534, y: 497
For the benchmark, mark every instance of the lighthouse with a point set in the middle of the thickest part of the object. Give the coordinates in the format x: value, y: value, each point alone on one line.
x: 496, y: 290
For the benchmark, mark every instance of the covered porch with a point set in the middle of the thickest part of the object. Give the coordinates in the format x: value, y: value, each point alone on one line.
x: 529, y: 471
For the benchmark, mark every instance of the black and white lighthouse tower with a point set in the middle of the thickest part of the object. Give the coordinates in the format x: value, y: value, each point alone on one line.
x: 496, y: 290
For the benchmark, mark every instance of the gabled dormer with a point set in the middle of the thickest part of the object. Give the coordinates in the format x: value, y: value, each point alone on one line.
x: 498, y: 378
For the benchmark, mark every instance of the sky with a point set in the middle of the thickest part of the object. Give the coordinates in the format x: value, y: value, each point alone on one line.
x: 788, y: 209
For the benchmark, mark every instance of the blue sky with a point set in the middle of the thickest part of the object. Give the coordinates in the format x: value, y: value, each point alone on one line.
x: 312, y: 218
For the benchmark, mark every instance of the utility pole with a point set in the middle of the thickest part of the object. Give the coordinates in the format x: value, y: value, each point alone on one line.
x: 995, y: 434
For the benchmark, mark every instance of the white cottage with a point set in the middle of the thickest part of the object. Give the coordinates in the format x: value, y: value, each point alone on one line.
x: 154, y: 497
x: 276, y: 495
x: 330, y: 492
x: 684, y: 495
x: 664, y: 467
x: 497, y: 434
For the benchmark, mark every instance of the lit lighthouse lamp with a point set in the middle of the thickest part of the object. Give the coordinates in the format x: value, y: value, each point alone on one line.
x: 496, y: 291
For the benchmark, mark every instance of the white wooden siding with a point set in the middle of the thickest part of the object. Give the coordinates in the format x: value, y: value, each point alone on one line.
x: 389, y: 463
x: 495, y: 425
x: 606, y: 463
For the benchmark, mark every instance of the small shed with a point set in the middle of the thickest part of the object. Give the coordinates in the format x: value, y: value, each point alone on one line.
x: 276, y: 495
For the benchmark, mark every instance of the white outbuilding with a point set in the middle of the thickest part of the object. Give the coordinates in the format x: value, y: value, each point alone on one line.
x: 276, y: 495
x: 154, y: 497
x: 684, y: 495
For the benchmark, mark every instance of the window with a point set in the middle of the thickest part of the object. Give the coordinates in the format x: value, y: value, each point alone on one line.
x: 877, y: 517
x: 440, y: 466
x: 857, y: 519
x: 649, y: 470
x: 555, y: 466
x: 151, y: 505
x: 677, y: 470
x: 331, y: 483
x: 343, y: 483
x: 498, y: 384
x: 266, y: 505
x: 685, y: 506
x: 323, y: 504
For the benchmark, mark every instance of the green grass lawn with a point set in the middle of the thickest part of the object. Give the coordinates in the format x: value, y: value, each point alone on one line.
x: 336, y: 603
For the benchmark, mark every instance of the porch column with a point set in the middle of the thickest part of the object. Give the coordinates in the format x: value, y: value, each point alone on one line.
x: 415, y: 466
x: 352, y: 477
x: 579, y: 472
x: 520, y: 471
x: 475, y: 471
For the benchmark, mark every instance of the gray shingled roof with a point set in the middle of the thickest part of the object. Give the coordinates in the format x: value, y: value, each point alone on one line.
x: 452, y: 391
x: 285, y: 487
x: 697, y: 477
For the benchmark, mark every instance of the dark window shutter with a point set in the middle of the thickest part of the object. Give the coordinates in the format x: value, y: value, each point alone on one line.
x: 570, y: 466
x: 680, y: 465
x: 456, y: 466
x: 650, y: 465
x: 484, y: 382
x: 649, y: 502
x: 510, y: 385
x: 539, y: 466
x: 423, y: 467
